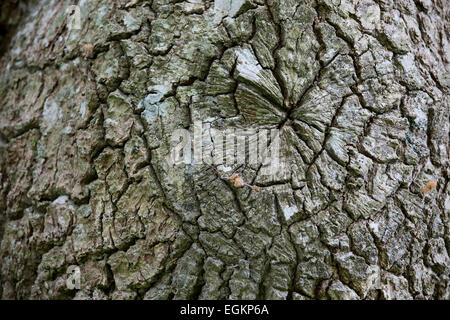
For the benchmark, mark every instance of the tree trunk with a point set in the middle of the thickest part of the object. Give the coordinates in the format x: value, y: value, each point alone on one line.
x: 353, y: 92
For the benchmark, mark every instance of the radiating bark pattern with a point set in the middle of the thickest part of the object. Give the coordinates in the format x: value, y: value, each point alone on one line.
x: 358, y: 88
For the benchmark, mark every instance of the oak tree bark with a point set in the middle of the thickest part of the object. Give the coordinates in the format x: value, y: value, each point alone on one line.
x: 357, y: 88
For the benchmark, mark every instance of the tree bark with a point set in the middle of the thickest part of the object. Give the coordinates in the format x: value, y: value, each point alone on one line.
x: 357, y: 91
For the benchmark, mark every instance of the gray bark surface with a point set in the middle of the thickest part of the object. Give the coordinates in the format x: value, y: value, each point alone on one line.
x: 358, y: 88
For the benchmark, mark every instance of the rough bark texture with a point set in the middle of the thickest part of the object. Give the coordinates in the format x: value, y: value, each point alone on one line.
x: 358, y: 87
